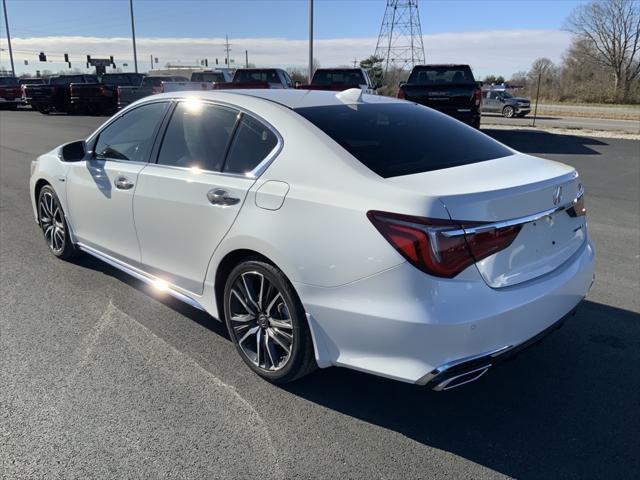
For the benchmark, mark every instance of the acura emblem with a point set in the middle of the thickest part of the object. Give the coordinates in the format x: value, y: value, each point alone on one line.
x: 557, y: 196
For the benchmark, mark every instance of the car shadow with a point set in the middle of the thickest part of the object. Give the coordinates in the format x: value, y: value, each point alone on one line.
x: 88, y: 261
x: 566, y: 408
x: 538, y: 142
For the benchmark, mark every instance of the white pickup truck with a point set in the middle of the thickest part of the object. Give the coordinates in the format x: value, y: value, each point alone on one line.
x: 199, y: 81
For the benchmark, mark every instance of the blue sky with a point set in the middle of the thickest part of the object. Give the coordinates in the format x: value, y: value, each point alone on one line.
x: 540, y: 21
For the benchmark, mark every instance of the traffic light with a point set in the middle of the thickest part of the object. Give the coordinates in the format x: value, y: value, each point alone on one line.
x: 88, y: 61
x: 112, y: 63
x: 216, y: 61
x: 66, y: 57
x: 42, y: 57
x: 206, y: 62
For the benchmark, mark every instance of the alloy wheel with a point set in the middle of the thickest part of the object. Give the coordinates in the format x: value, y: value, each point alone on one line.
x: 261, y: 321
x: 52, y: 222
x: 508, y: 111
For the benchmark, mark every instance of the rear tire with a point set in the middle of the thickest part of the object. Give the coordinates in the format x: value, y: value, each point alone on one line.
x: 53, y: 224
x: 508, y: 111
x: 267, y: 323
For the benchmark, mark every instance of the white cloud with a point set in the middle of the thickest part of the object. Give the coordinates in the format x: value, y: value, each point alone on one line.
x: 493, y: 51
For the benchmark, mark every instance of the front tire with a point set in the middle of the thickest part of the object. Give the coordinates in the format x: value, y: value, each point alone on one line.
x: 267, y: 322
x: 508, y: 111
x: 54, y: 224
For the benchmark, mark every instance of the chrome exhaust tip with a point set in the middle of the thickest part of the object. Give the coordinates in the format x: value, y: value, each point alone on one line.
x: 461, y: 379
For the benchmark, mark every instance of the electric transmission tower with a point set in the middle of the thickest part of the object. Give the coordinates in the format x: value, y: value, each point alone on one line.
x: 400, y: 40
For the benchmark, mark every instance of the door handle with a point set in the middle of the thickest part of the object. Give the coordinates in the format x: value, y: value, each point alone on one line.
x: 217, y: 196
x: 123, y: 183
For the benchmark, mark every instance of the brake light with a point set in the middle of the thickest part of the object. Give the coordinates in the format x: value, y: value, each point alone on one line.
x: 401, y: 94
x: 104, y: 91
x: 477, y: 96
x: 423, y: 241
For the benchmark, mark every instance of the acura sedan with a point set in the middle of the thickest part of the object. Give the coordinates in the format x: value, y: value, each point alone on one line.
x: 327, y: 229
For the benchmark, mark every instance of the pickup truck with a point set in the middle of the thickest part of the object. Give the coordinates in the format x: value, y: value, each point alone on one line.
x: 450, y: 89
x: 56, y: 94
x: 199, y: 81
x: 10, y: 93
x: 101, y: 96
x: 338, y: 79
x: 150, y: 85
x: 257, y: 78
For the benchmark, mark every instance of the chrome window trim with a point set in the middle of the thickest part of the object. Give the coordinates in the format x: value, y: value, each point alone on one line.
x: 514, y: 221
x: 257, y: 171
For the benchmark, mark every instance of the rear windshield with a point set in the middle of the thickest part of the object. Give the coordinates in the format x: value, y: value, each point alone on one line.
x: 338, y: 77
x: 442, y: 74
x: 8, y: 81
x: 207, y: 77
x: 121, y: 79
x: 251, y: 76
x: 403, y: 138
x: 73, y: 79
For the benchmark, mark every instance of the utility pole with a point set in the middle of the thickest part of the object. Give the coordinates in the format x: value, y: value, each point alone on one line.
x: 310, y: 40
x: 246, y: 59
x: 227, y: 49
x: 6, y: 23
x: 535, y: 111
x: 355, y: 62
x: 133, y: 36
x: 151, y: 60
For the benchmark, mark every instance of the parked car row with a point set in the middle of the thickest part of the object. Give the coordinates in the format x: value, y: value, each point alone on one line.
x: 450, y: 89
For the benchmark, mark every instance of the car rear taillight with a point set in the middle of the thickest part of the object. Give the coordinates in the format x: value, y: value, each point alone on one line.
x: 401, y: 94
x: 477, y: 96
x: 425, y: 244
x: 153, y: 90
x: 104, y: 91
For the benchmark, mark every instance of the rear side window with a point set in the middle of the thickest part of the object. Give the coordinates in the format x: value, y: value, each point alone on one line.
x: 252, y: 143
x: 442, y: 74
x: 198, y: 136
x: 131, y: 136
x: 403, y: 138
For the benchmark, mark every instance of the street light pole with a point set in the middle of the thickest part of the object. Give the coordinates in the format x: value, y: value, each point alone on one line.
x: 310, y: 40
x: 6, y: 23
x: 133, y: 36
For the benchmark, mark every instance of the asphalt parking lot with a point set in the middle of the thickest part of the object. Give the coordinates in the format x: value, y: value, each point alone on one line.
x: 100, y: 379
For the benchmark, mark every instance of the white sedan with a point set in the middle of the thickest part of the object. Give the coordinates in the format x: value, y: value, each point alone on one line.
x: 328, y: 229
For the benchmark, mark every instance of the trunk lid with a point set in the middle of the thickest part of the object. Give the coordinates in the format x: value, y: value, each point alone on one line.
x: 512, y: 189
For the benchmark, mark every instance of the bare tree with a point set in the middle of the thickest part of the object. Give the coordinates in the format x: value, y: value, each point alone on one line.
x: 611, y: 31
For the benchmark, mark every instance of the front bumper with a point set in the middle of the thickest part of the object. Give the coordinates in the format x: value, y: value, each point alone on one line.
x: 404, y: 325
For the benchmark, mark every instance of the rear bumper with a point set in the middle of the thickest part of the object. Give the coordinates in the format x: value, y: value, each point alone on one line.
x: 465, y: 370
x: 404, y: 325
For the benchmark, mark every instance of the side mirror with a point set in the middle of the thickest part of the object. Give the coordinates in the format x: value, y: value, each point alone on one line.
x: 402, y: 84
x: 297, y: 84
x: 73, y: 151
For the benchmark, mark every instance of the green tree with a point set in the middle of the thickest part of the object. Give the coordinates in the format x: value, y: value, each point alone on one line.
x: 373, y: 66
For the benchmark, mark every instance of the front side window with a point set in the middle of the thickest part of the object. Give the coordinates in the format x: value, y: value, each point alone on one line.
x: 131, y: 136
x: 252, y: 143
x: 197, y: 136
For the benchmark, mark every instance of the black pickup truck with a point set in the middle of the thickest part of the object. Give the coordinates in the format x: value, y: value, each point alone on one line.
x: 55, y: 96
x: 450, y: 89
x: 102, y: 96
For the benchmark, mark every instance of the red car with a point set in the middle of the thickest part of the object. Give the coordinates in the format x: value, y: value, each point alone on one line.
x: 10, y: 93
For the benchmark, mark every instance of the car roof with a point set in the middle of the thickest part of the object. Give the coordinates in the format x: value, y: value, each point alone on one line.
x: 290, y: 98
